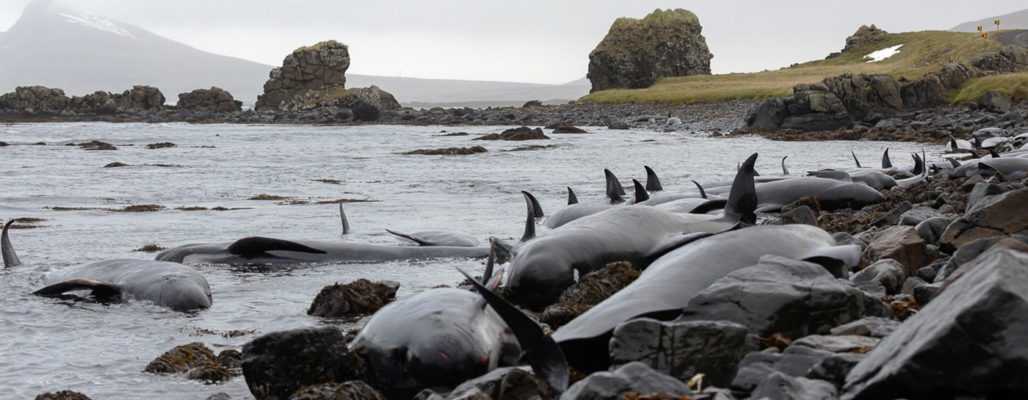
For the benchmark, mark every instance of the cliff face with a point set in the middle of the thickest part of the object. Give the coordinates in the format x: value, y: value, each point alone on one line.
x: 321, y: 67
x: 637, y: 52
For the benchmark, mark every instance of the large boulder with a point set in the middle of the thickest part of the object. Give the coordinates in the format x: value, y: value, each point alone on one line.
x: 140, y: 99
x: 782, y: 296
x: 97, y: 103
x: 815, y: 108
x: 375, y: 97
x: 637, y: 52
x: 864, y: 95
x: 34, y: 100
x: 503, y: 384
x: 278, y: 364
x: 900, y: 243
x: 970, y: 340
x: 214, y: 99
x: 634, y: 377
x: 321, y: 67
x: 353, y: 390
x: 354, y: 299
x: 865, y: 36
x: 998, y: 215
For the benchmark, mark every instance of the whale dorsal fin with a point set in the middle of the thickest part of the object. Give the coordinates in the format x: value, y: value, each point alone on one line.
x: 953, y: 143
x: 918, y: 164
x: 102, y: 291
x: 541, y: 351
x: 983, y: 167
x: 253, y: 247
x: 345, y: 221
x: 614, y: 189
x: 742, y: 200
x: 993, y: 153
x: 886, y: 161
x: 652, y: 181
x: 530, y: 218
x: 785, y: 171
x: 703, y: 193
x: 537, y: 209
x: 9, y: 255
x: 709, y: 205
x: 640, y: 191
x: 572, y: 198
x: 855, y: 159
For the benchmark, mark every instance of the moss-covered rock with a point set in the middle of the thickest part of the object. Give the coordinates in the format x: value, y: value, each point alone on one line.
x: 637, y: 52
x: 354, y: 299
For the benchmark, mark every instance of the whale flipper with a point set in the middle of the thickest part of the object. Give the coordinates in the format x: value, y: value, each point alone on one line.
x: 529, y: 233
x: 652, y: 181
x: 640, y: 191
x: 541, y: 351
x: 709, y: 206
x: 855, y: 159
x: 102, y: 291
x: 572, y: 198
x: 345, y: 221
x: 886, y: 161
x: 9, y: 255
x: 253, y: 247
x: 415, y: 239
x: 537, y: 209
x: 614, y: 189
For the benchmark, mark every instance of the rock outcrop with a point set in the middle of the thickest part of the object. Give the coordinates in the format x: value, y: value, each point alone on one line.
x: 140, y: 99
x: 865, y: 35
x: 34, y: 99
x: 214, y: 100
x: 354, y: 299
x: 637, y: 52
x: 321, y: 67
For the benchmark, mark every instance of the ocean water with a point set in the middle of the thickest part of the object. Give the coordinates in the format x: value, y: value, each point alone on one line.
x: 101, y: 350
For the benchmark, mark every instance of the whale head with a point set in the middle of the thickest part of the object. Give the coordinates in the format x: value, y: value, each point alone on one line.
x: 538, y: 275
x: 184, y: 293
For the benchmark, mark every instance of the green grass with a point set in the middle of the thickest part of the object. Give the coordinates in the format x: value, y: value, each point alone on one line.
x: 922, y: 52
x: 1014, y: 85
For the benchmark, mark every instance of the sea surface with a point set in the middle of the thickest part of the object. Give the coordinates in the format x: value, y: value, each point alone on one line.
x: 101, y: 350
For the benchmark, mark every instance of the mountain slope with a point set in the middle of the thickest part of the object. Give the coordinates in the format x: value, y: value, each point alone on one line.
x: 82, y: 53
x: 1014, y: 20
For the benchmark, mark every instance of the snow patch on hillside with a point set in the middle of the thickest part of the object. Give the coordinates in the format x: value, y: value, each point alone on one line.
x: 98, y: 23
x: 883, y: 54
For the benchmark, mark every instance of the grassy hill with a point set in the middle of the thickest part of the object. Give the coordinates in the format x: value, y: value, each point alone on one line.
x: 922, y: 52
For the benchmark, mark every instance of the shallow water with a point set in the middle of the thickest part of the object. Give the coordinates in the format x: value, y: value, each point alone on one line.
x: 101, y: 350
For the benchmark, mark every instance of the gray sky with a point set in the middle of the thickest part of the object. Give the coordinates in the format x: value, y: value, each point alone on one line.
x: 516, y: 40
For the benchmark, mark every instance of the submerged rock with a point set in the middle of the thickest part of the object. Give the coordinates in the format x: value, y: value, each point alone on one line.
x: 94, y: 145
x: 449, y: 151
x: 161, y: 145
x: 635, y: 377
x: 516, y: 134
x: 970, y: 340
x: 62, y: 395
x: 569, y: 129
x: 278, y: 364
x: 354, y: 299
x: 197, y: 362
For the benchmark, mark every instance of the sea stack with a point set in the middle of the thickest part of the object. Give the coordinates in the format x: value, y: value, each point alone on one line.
x: 638, y: 52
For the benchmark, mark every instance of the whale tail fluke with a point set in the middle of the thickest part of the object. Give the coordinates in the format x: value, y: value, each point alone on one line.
x: 541, y: 351
x: 530, y: 203
x: 640, y: 191
x: 615, y: 191
x: 254, y: 247
x: 9, y: 255
x: 652, y: 181
x: 572, y: 198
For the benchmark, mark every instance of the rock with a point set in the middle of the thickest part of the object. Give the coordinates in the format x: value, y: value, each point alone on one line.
x: 887, y: 273
x: 320, y: 68
x: 900, y: 243
x: 635, y: 53
x: 864, y: 37
x: 618, y: 126
x: 116, y: 164
x: 449, y: 151
x: 211, y: 374
x: 864, y: 95
x: 375, y: 97
x: 799, y: 215
x: 868, y: 326
x: 140, y: 99
x: 999, y: 215
x: 162, y: 145
x: 683, y: 349
x: 278, y: 364
x: 354, y: 299
x: 213, y: 100
x: 838, y: 343
x: 532, y: 103
x: 569, y: 129
x: 814, y: 108
x: 62, y: 395
x: 98, y: 103
x: 969, y: 340
x: 589, y: 291
x: 35, y: 100
x: 918, y: 215
x: 981, y: 191
x: 182, y: 359
x: 996, y: 102
x: 353, y: 390
x: 779, y: 386
x: 931, y: 230
x: 782, y: 296
x: 516, y: 134
x: 957, y: 264
x: 503, y: 384
x: 794, y: 361
x: 634, y: 377
x: 834, y: 368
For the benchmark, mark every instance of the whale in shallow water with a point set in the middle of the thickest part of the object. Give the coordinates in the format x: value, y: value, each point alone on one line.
x: 667, y: 285
x: 576, y: 209
x: 171, y: 285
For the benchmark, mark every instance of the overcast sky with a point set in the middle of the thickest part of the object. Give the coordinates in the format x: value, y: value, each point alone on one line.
x: 544, y: 41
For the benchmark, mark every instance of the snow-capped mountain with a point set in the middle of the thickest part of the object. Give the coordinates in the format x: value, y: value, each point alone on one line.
x: 81, y: 53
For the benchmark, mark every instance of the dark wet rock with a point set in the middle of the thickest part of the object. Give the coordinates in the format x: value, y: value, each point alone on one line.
x: 783, y: 296
x: 590, y: 290
x: 956, y: 265
x: 637, y: 52
x: 4, y: 144
x: 140, y: 99
x: 35, y: 100
x: 569, y: 129
x: 213, y: 100
x: 116, y: 164
x: 516, y: 134
x: 162, y: 145
x: 278, y: 364
x: 358, y: 298
x: 794, y: 361
x: 230, y: 358
x: 869, y: 326
x: 150, y: 248
x: 62, y: 395
x: 96, y: 145
x: 888, y: 274
x: 503, y: 384
x: 533, y: 147
x: 931, y: 230
x: 838, y: 343
x: 969, y: 340
x: 683, y: 349
x: 981, y: 191
x: 182, y: 359
x: 353, y: 390
x: 449, y: 151
x: 778, y: 386
x: 634, y: 377
x: 918, y: 215
x: 99, y: 103
x: 799, y: 215
x: 319, y: 68
x: 211, y: 374
x: 996, y: 102
x: 532, y: 103
x: 618, y: 126
x: 834, y: 368
x: 865, y: 36
x: 900, y: 243
x: 999, y: 215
